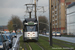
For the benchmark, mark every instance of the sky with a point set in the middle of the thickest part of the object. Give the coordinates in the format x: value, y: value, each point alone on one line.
x: 17, y: 7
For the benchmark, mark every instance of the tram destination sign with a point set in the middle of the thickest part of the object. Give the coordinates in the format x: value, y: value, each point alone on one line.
x: 31, y: 23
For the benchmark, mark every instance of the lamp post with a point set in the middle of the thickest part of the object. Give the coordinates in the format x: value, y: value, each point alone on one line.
x: 50, y: 22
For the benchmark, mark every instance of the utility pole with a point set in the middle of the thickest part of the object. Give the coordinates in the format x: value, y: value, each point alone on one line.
x: 35, y: 9
x: 50, y: 23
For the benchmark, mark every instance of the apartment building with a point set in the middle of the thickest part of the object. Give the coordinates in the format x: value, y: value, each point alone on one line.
x: 71, y: 19
x: 59, y: 15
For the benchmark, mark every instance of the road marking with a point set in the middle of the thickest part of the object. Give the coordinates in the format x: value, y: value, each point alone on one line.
x: 16, y: 42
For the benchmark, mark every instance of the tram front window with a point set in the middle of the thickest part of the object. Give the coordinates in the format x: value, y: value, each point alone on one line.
x: 30, y: 28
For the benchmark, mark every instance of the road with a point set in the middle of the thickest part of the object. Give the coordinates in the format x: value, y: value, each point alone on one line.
x: 15, y: 42
x: 68, y: 39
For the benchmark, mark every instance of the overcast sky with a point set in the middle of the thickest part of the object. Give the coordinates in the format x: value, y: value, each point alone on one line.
x: 16, y: 7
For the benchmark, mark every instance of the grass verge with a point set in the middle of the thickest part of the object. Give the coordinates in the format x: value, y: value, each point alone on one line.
x: 34, y: 46
x: 43, y: 41
x: 22, y: 44
x: 68, y: 35
x: 59, y: 44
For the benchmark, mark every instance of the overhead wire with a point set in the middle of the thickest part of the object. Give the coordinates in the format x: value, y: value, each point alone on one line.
x: 44, y: 12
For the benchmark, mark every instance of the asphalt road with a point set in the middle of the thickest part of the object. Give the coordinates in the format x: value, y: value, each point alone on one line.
x: 68, y: 39
x: 15, y: 42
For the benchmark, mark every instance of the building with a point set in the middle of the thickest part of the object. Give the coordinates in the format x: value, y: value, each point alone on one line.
x: 71, y: 19
x: 59, y: 15
x: 4, y: 28
x: 69, y: 2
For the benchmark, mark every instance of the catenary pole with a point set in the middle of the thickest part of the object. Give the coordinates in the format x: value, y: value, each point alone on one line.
x: 35, y: 9
x: 50, y: 22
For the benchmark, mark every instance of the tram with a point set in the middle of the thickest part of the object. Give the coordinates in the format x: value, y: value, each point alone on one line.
x: 30, y: 29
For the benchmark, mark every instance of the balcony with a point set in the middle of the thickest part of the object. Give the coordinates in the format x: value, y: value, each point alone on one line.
x: 53, y: 16
x: 55, y: 23
x: 56, y: 19
x: 55, y: 9
x: 56, y: 14
x: 52, y: 11
x: 53, y: 20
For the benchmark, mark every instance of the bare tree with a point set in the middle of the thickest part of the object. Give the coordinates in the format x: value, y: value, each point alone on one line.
x: 43, y: 23
x: 15, y: 21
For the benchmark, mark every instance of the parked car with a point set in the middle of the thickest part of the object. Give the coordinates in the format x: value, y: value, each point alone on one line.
x: 13, y: 35
x: 58, y: 34
x: 53, y: 33
x: 47, y: 33
x: 8, y: 33
x: 9, y: 37
x: 4, y: 44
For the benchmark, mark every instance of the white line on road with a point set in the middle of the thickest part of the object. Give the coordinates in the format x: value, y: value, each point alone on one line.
x: 16, y: 43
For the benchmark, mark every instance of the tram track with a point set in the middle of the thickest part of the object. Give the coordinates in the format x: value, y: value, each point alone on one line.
x: 25, y: 48
x: 40, y: 46
x: 29, y: 46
